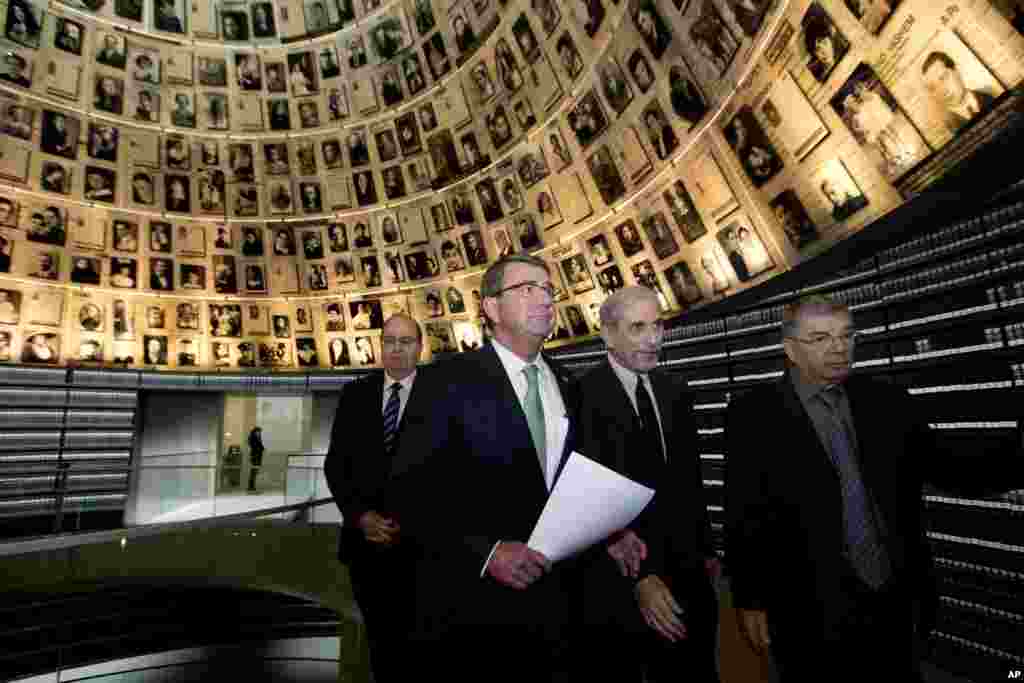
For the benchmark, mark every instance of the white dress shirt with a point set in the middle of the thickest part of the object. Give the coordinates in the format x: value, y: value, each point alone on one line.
x: 556, y: 420
x: 629, y: 380
x: 403, y: 393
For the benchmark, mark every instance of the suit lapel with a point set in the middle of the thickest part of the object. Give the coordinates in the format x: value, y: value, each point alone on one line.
x: 515, y: 435
x: 804, y: 428
x: 665, y: 401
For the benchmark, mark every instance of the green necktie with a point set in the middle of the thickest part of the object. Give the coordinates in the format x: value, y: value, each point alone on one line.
x: 535, y: 415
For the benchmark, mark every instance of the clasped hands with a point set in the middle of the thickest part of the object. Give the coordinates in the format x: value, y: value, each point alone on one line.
x: 516, y: 565
x: 659, y: 609
x: 379, y: 529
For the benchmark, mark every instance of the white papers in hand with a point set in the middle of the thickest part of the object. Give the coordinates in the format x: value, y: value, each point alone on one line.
x: 588, y: 504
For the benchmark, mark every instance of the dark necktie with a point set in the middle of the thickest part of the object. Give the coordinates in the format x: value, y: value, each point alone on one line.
x: 867, y: 553
x: 391, y: 418
x: 649, y: 418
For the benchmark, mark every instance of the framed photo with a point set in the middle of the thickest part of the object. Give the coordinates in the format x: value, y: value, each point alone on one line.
x: 823, y: 44
x: 744, y: 249
x: 755, y: 153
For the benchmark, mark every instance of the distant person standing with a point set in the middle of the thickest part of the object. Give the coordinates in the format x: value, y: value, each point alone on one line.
x: 255, y: 455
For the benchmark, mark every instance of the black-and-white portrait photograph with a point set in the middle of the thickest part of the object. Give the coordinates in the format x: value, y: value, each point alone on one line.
x: 60, y: 134
x: 824, y: 46
x: 687, y: 101
x: 839, y: 189
x: 263, y: 24
x: 789, y: 211
x: 640, y: 69
x: 212, y: 71
x: 660, y: 133
x: 177, y: 193
x: 302, y: 74
x: 683, y: 211
x: 490, y: 205
x: 17, y: 121
x: 103, y: 141
x: 473, y: 245
x: 161, y: 274
x: 526, y: 39
x: 279, y: 114
x: 68, y: 35
x: 548, y: 13
x: 54, y: 177
x: 365, y: 187
x: 879, y: 124
x: 957, y: 86
x: 606, y: 175
x: 145, y: 65
x: 234, y: 25
x: 651, y: 26
x: 193, y: 276
x: 388, y: 36
x: 177, y: 155
x: 532, y: 166
x: 712, y: 38
x: 569, y: 56
x: 91, y: 317
x: 577, y: 275
x: 600, y: 252
x: 614, y: 85
x: 24, y: 23
x: 311, y: 196
x: 370, y: 266
x: 144, y: 104
x: 16, y: 68
x: 215, y: 111
x: 47, y: 225
x: 683, y: 284
x: 587, y: 119
x: 660, y: 235
x: 100, y: 184
x: 462, y: 30
x: 184, y: 113
x: 744, y: 249
x: 629, y: 238
x: 125, y: 235
x: 527, y: 232
x: 45, y: 265
x: 254, y: 277
x: 248, y: 71
x: 85, y: 270
x: 41, y: 347
x: 462, y: 209
x: 366, y: 315
x: 123, y: 273
x: 225, y: 320
x: 574, y: 319
x: 344, y: 271
x: 169, y: 15
x: 111, y: 50
x: 499, y: 128
x: 394, y: 182
x: 752, y: 147
x: 436, y: 55
x: 794, y: 120
x: 610, y: 280
x: 511, y: 195
x: 225, y: 275
x: 363, y: 351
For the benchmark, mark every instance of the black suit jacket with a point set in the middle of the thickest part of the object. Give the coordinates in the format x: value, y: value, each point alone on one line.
x: 467, y: 476
x: 785, y: 529
x: 674, y: 525
x: 356, y: 469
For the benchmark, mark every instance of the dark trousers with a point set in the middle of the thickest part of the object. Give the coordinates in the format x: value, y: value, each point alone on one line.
x: 865, y: 635
x: 255, y: 462
x: 382, y: 582
x: 497, y: 654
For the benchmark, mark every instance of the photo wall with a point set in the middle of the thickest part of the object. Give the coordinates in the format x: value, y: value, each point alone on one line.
x: 260, y: 184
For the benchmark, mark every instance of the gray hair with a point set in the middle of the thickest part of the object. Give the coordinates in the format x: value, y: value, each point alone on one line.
x: 792, y: 311
x: 615, y: 305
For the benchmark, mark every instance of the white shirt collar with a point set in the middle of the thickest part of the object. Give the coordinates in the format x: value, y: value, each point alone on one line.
x: 626, y: 376
x: 406, y: 383
x: 514, y: 364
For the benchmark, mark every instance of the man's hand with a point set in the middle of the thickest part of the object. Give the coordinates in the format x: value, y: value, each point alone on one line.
x: 628, y: 551
x: 379, y: 529
x: 517, y: 566
x: 754, y: 624
x: 660, y: 609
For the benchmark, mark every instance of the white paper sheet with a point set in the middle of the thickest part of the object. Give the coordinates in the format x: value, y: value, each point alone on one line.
x: 589, y: 503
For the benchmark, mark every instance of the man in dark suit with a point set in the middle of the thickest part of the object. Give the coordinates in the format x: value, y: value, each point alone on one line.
x: 379, y: 560
x: 473, y: 472
x: 639, y: 422
x: 255, y: 456
x: 830, y: 565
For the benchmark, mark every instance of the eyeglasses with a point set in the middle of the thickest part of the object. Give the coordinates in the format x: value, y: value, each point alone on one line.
x: 824, y: 340
x: 529, y: 288
x: 398, y: 343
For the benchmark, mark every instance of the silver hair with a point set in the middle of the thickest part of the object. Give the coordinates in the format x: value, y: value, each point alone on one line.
x: 615, y: 305
x: 792, y: 312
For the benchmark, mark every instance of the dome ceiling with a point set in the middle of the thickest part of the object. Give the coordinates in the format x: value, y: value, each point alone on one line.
x: 260, y: 184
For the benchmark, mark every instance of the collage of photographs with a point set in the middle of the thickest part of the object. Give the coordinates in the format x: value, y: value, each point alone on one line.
x: 223, y: 184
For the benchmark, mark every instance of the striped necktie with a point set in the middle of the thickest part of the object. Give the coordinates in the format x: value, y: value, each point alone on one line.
x: 391, y: 417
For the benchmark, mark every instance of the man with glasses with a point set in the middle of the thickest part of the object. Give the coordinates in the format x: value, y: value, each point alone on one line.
x: 646, y: 591
x: 473, y: 472
x: 830, y: 566
x: 379, y: 559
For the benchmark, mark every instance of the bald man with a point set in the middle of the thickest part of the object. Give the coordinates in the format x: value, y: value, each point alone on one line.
x: 646, y: 590
x: 380, y: 564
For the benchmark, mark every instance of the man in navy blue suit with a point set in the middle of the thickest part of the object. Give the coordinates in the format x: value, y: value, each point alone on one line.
x: 474, y: 468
